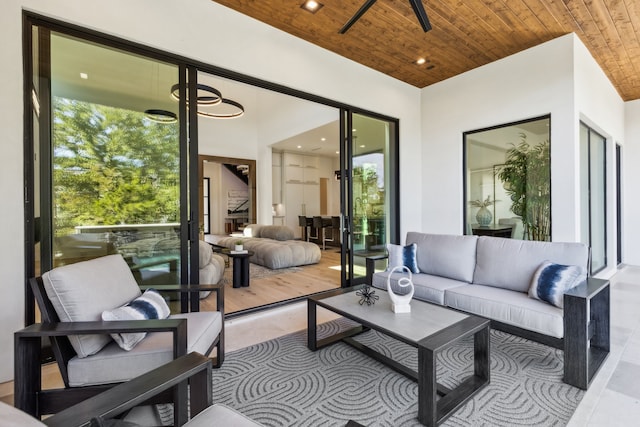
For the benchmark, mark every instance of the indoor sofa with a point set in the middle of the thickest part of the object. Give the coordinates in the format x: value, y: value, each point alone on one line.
x: 491, y: 277
x: 274, y: 246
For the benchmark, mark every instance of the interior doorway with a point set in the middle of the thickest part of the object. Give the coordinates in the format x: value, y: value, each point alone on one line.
x: 231, y: 193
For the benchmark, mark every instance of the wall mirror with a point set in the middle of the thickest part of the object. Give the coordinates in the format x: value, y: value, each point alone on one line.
x: 508, y: 180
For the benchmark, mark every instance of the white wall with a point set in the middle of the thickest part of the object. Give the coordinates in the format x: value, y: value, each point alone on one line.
x: 630, y: 179
x: 532, y: 83
x: 600, y: 107
x: 204, y: 31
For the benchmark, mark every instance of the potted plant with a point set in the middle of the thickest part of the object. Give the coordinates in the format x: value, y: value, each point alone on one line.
x: 238, y: 246
x: 527, y: 180
x: 483, y: 216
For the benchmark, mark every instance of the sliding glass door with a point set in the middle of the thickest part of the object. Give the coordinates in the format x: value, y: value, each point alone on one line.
x: 370, y: 191
x: 593, y: 195
x: 109, y: 159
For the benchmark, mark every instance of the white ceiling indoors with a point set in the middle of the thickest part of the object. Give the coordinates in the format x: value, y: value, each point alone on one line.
x: 124, y: 80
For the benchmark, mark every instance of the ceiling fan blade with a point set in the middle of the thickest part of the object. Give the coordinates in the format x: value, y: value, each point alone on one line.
x: 418, y: 9
x: 359, y: 14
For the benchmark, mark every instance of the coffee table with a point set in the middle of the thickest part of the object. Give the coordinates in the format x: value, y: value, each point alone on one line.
x: 240, y: 267
x: 430, y: 328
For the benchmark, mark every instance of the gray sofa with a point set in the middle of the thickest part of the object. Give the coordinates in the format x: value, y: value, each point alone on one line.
x: 274, y: 246
x: 490, y: 277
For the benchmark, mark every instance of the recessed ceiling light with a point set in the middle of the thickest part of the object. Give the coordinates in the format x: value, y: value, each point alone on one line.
x: 420, y: 61
x: 337, y: 152
x: 299, y: 146
x: 311, y: 6
x: 323, y: 139
x: 84, y: 76
x: 362, y: 146
x: 354, y: 129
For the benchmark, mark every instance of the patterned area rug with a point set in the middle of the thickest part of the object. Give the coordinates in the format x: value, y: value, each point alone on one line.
x: 282, y: 383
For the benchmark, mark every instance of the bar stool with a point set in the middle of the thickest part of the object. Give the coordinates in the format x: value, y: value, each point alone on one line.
x: 306, y: 223
x: 334, y: 225
x: 321, y: 224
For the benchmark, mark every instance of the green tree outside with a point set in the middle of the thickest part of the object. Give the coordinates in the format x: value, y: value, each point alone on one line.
x: 112, y: 166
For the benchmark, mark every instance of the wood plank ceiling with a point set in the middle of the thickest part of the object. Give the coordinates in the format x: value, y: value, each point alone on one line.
x: 466, y: 33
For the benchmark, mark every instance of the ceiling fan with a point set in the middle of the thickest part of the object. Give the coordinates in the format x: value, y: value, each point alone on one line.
x: 418, y: 9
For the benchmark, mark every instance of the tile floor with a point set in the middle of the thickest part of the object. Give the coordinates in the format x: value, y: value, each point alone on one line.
x: 613, y: 398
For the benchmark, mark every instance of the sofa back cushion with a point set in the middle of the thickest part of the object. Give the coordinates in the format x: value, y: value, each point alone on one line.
x: 82, y: 291
x: 445, y: 255
x: 276, y: 232
x: 252, y: 230
x: 511, y: 263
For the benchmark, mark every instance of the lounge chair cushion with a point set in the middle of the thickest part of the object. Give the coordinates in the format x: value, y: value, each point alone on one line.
x: 112, y: 364
x: 77, y: 299
x: 221, y: 415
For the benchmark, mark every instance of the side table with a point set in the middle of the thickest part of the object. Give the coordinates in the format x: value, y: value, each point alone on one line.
x: 240, y: 267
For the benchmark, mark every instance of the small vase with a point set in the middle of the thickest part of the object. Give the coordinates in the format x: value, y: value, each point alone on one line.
x: 484, y: 216
x: 238, y: 248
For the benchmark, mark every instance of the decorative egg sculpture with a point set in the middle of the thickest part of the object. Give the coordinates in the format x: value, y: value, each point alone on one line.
x: 401, y: 303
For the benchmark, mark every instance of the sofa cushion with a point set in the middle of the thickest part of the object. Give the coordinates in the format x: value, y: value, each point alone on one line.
x: 252, y: 230
x: 400, y: 256
x: 277, y: 232
x: 276, y: 254
x: 510, y: 263
x: 82, y: 291
x: 112, y: 364
x: 14, y: 417
x: 426, y: 286
x: 219, y: 415
x: 443, y: 255
x: 551, y: 281
x: 204, y: 253
x: 513, y: 308
x: 149, y: 305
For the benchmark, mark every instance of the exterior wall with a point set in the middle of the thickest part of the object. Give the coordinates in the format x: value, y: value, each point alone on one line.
x: 630, y: 178
x: 529, y: 84
x: 600, y: 107
x: 201, y: 30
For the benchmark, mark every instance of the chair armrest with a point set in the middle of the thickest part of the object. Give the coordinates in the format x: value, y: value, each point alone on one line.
x: 218, y: 288
x: 193, y: 367
x: 588, y: 288
x: 39, y: 330
x: 370, y: 264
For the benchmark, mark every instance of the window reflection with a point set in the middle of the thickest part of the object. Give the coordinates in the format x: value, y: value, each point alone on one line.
x: 508, y: 185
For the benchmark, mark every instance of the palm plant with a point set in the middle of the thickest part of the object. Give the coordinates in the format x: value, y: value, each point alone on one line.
x: 527, y: 180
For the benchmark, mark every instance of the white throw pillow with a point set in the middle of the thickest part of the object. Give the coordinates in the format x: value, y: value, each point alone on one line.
x: 149, y: 305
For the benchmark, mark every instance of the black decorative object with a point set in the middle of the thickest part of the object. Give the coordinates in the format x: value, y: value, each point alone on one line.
x: 367, y: 296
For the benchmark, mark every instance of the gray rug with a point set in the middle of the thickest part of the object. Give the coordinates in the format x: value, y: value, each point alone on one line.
x: 282, y: 383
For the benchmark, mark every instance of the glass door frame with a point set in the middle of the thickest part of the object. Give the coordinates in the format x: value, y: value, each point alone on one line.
x: 348, y: 277
x: 44, y: 26
x: 188, y: 135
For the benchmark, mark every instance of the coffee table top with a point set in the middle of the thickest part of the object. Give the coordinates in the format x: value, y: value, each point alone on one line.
x: 424, y: 320
x: 234, y: 254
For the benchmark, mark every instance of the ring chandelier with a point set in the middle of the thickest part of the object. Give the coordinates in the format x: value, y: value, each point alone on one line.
x: 211, y: 97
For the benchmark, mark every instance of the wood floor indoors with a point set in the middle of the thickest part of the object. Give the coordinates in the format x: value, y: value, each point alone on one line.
x: 310, y: 279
